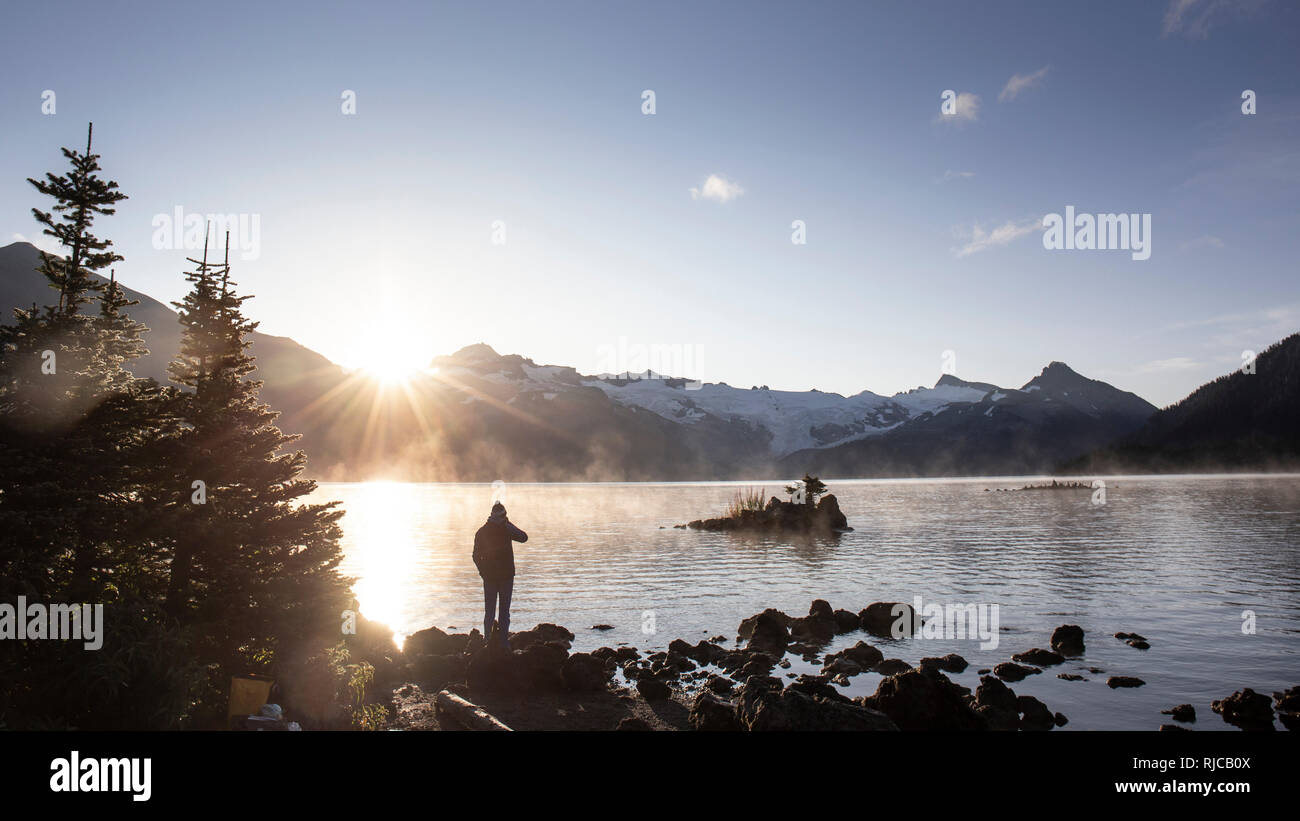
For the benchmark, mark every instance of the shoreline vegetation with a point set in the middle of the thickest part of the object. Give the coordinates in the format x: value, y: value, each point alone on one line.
x: 804, y: 513
x: 456, y: 681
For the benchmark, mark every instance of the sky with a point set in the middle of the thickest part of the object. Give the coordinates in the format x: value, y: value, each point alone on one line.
x: 424, y: 176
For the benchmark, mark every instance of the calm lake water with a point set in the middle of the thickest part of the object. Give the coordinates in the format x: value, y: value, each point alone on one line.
x: 1177, y: 559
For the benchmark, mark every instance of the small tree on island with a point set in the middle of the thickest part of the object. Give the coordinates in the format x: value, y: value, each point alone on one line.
x: 806, y: 491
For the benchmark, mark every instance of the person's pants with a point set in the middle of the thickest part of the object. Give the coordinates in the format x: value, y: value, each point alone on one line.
x: 494, y: 592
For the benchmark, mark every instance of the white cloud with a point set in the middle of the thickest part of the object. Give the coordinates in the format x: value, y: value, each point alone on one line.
x: 1020, y: 82
x: 977, y: 239
x: 42, y: 242
x: 1206, y: 241
x: 1194, y: 18
x: 718, y: 188
x: 965, y: 109
x: 955, y: 175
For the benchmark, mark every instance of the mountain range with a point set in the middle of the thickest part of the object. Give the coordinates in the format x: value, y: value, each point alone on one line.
x: 478, y: 415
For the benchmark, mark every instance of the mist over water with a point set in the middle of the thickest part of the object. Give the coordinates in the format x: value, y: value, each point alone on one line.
x: 1177, y: 559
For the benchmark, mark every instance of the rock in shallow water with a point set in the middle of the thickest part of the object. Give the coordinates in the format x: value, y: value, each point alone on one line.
x: 1068, y: 640
x: 1008, y: 671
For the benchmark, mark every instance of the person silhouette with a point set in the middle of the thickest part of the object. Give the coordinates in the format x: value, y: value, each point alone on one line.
x: 494, y: 556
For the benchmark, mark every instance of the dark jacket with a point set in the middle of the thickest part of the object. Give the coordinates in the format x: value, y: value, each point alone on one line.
x: 494, y: 555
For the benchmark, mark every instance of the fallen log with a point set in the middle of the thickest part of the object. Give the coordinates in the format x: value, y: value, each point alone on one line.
x: 466, y: 713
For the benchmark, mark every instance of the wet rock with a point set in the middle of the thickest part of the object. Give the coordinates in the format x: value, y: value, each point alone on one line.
x: 1060, y: 719
x: 1288, y: 700
x: 435, y: 671
x: 841, y: 667
x: 769, y: 634
x: 1068, y: 640
x: 652, y: 689
x: 758, y: 705
x: 862, y: 654
x: 1130, y: 637
x: 586, y: 673
x: 1174, y: 728
x: 996, y: 702
x: 1042, y: 658
x: 747, y: 626
x: 892, y: 667
x: 542, y: 634
x: 951, y: 663
x: 1183, y: 712
x: 879, y: 618
x: 1138, y: 644
x: 602, y: 627
x: 719, y: 685
x: 627, y: 654
x: 821, y: 714
x: 716, y: 639
x: 541, y: 666
x: 924, y: 700
x: 1124, y: 681
x: 710, y: 713
x: 1071, y: 676
x: 434, y: 642
x: 812, y: 630
x: 821, y: 609
x: 1096, y: 671
x: 847, y: 621
x: 633, y: 724
x: 1007, y: 671
x: 1246, y: 709
x: 1289, y: 719
x: 1034, y: 714
x: 759, y: 664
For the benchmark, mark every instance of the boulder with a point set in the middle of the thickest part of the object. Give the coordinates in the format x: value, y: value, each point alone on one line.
x: 1246, y: 709
x: 1034, y: 714
x: 586, y: 673
x: 847, y: 621
x: 951, y: 663
x: 709, y: 712
x: 758, y: 705
x: 1183, y: 712
x: 879, y: 619
x: 1124, y: 681
x: 769, y: 633
x: 541, y: 634
x: 633, y: 724
x: 434, y: 642
x: 892, y: 667
x: 1068, y: 640
x: 1013, y: 672
x: 1040, y: 657
x: 652, y: 689
x: 925, y: 700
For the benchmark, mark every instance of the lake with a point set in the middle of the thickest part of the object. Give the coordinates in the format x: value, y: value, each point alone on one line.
x: 1179, y: 560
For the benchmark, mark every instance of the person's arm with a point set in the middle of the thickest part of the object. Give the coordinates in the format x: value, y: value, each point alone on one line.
x: 515, y: 533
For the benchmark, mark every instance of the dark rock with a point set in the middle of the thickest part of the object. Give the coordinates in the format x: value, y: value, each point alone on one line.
x: 1288, y: 700
x: 541, y: 666
x: 627, y: 654
x: 1246, y: 709
x: 652, y: 689
x: 1138, y: 643
x: 1068, y: 640
x: 633, y: 724
x: 1183, y: 712
x: 1124, y: 681
x: 1130, y: 637
x: 1034, y: 714
x: 758, y: 705
x: 841, y: 666
x: 1071, y: 677
x: 951, y: 663
x: 879, y: 619
x: 769, y: 634
x: 1013, y: 672
x: 892, y: 667
x: 1060, y: 719
x: 1174, y: 728
x: 917, y: 700
x: 846, y: 621
x: 719, y: 684
x: 862, y: 654
x: 991, y: 692
x: 710, y: 713
x: 821, y: 609
x: 1289, y: 719
x: 819, y: 714
x: 541, y: 634
x: 812, y: 629
x: 586, y: 673
x: 1042, y: 658
x: 747, y: 626
x: 434, y: 642
x: 602, y: 627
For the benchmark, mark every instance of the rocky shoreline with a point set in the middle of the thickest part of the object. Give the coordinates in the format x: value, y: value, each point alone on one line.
x: 540, y: 684
x: 785, y: 517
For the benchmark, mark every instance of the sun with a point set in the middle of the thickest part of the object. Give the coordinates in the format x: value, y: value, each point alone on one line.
x: 390, y: 359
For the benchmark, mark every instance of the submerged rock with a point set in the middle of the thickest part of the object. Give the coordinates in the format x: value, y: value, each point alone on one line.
x: 1068, y: 640
x: 1008, y: 671
x: 879, y: 618
x: 1042, y: 658
x: 1183, y: 712
x: 1124, y: 681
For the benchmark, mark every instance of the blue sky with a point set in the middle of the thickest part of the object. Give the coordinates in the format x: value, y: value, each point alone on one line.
x: 376, y: 228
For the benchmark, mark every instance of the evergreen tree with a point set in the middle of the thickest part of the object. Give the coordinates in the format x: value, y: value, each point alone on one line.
x: 253, y: 565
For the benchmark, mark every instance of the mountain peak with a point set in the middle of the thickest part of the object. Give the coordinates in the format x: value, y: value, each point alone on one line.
x: 477, y: 353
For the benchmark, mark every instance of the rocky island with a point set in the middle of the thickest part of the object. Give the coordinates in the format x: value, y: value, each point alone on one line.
x: 803, y: 514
